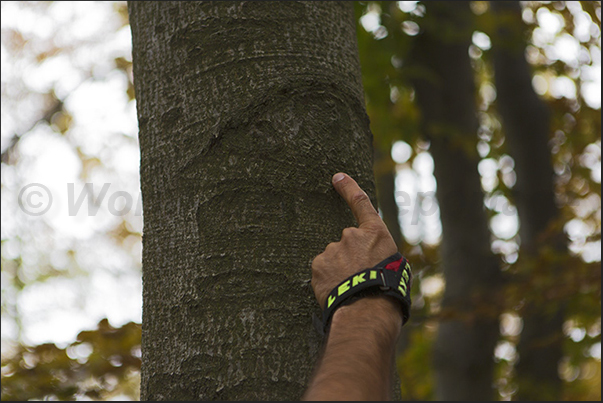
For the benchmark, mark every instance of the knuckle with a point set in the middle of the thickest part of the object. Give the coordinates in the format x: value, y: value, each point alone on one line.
x: 349, y: 232
x: 359, y: 198
x: 331, y: 248
x: 386, y: 239
x: 381, y: 231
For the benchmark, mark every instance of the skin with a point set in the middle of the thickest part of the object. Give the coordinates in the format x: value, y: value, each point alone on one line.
x: 358, y: 356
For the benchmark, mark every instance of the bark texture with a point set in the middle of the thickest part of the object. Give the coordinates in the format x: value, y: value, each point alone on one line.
x: 246, y: 110
x: 526, y: 122
x: 445, y: 90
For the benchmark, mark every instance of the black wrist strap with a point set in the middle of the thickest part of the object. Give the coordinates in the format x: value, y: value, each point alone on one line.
x: 391, y: 277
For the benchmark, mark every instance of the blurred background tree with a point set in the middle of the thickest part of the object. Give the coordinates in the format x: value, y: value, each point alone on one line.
x: 68, y: 116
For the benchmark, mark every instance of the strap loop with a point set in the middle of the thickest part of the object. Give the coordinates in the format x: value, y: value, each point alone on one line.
x: 392, y: 277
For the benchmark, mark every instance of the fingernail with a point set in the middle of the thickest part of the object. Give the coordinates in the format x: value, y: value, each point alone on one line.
x: 338, y: 177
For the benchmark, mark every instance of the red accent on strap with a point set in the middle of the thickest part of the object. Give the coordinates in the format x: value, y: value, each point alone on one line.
x: 395, y: 266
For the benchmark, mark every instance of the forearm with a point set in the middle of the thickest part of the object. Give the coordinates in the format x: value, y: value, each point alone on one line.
x: 357, y: 362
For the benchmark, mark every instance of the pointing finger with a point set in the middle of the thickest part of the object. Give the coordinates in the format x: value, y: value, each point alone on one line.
x: 356, y: 198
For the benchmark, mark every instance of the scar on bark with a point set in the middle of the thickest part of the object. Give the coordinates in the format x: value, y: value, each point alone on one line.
x: 249, y: 115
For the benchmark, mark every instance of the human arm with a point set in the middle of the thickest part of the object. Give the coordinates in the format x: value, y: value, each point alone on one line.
x: 358, y: 356
x: 357, y: 361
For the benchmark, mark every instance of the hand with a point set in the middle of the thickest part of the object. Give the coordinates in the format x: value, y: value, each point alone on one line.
x: 360, y: 248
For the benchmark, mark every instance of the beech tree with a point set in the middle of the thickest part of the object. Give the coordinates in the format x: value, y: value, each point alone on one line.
x: 526, y: 120
x: 246, y: 110
x: 468, y: 332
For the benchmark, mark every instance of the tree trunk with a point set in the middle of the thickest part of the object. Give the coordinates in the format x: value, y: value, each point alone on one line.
x: 385, y: 181
x: 526, y: 121
x: 468, y: 332
x: 246, y: 110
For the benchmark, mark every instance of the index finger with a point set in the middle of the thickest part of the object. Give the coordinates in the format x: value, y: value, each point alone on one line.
x: 356, y: 198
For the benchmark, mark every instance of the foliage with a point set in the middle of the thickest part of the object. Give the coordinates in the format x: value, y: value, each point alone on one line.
x: 68, y: 116
x: 386, y: 34
x: 101, y: 364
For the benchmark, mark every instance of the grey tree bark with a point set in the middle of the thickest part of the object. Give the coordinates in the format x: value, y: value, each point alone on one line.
x: 468, y: 331
x: 526, y: 123
x: 246, y: 110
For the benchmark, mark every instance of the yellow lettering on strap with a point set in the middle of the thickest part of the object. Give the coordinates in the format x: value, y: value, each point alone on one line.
x: 402, y: 290
x: 405, y: 274
x: 330, y: 301
x: 373, y: 275
x: 359, y: 278
x: 343, y: 288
